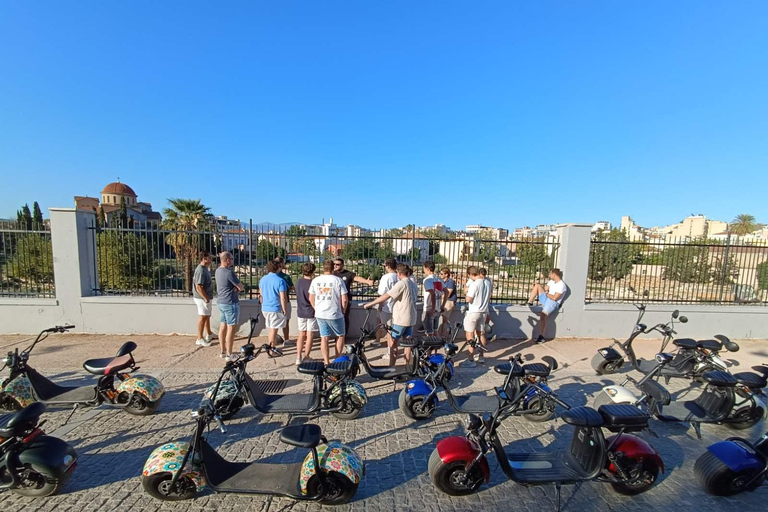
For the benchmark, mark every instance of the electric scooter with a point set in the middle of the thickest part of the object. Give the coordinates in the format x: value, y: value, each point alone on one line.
x: 459, y: 465
x: 329, y: 474
x: 332, y: 391
x: 116, y: 387
x: 733, y: 466
x: 31, y: 463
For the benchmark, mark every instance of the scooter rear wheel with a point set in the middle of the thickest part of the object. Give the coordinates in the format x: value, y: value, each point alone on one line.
x: 749, y: 418
x: 39, y: 481
x: 448, y: 477
x: 414, y: 406
x: 226, y: 409
x: 351, y: 410
x: 139, y: 405
x: 603, y: 366
x: 338, y: 490
x: 8, y: 403
x: 718, y: 479
x: 159, y: 487
x: 545, y: 414
x: 644, y: 475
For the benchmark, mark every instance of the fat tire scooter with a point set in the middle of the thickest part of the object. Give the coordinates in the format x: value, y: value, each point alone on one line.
x: 329, y: 474
x: 733, y: 466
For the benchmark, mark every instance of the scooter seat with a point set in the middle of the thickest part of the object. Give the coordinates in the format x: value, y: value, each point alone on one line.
x: 108, y: 365
x: 504, y: 369
x: 20, y: 422
x: 536, y: 369
x: 432, y: 341
x: 311, y: 368
x: 583, y: 417
x: 623, y: 416
x: 303, y: 436
x: 339, y: 368
x: 684, y: 343
x: 410, y: 342
x: 656, y: 391
x: 751, y: 380
x: 718, y: 378
x: 713, y: 345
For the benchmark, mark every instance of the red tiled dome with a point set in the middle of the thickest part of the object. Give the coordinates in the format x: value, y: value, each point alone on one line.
x: 120, y: 189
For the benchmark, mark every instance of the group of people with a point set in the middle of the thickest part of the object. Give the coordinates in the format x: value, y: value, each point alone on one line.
x: 323, y: 304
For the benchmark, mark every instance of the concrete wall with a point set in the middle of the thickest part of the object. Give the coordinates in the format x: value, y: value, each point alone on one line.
x: 76, y: 304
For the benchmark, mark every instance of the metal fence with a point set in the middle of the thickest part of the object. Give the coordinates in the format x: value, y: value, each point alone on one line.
x: 162, y: 262
x: 26, y: 263
x: 730, y: 271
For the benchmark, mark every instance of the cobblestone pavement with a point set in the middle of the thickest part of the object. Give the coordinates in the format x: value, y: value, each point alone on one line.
x: 114, y: 445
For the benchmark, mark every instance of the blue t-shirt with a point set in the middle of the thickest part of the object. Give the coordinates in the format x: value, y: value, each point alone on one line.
x: 270, y: 287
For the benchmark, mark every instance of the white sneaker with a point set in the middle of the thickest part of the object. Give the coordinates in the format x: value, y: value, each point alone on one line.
x: 298, y: 361
x: 203, y: 342
x: 222, y: 355
x: 478, y: 358
x: 209, y: 337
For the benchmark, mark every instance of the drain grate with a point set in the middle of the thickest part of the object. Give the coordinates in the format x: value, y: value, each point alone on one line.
x: 272, y: 387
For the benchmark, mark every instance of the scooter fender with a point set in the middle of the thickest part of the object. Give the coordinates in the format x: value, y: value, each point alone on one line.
x: 532, y: 393
x: 168, y: 458
x: 352, y: 388
x: 620, y: 394
x: 227, y: 391
x: 737, y: 456
x: 634, y: 448
x: 50, y: 452
x: 20, y: 389
x: 145, y: 385
x: 414, y: 388
x: 334, y: 456
x: 459, y: 448
x: 609, y: 353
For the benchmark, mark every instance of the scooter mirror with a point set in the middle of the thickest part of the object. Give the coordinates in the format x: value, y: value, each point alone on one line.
x: 675, y: 314
x: 683, y: 319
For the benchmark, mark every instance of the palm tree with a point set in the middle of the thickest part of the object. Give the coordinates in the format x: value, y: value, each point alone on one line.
x: 743, y: 224
x: 190, y: 223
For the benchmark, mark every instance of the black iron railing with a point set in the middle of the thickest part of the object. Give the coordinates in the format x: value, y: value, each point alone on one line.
x: 26, y: 263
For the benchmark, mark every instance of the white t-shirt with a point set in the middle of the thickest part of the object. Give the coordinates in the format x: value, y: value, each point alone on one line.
x: 328, y: 290
x: 432, y: 282
x: 387, y: 282
x: 557, y: 287
x: 489, y: 288
x: 480, y: 297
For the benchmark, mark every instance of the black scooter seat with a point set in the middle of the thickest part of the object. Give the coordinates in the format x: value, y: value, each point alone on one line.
x: 718, y: 378
x: 623, y: 416
x: 108, y: 365
x: 713, y: 345
x: 303, y: 436
x: 312, y: 368
x: 339, y: 368
x: 536, y: 369
x: 504, y: 369
x: 410, y: 342
x: 432, y: 341
x: 583, y: 417
x: 18, y: 423
x: 751, y: 380
x: 685, y: 343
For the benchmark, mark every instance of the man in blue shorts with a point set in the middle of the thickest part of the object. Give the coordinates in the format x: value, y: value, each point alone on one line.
x: 328, y: 297
x: 550, y: 297
x: 227, y: 288
x: 403, y: 295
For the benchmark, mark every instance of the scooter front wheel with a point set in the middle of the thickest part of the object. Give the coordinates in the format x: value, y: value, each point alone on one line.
x: 746, y: 419
x: 642, y: 477
x: 227, y: 407
x: 8, y: 403
x: 545, y: 414
x: 352, y: 408
x: 338, y: 489
x: 449, y: 478
x: 159, y: 486
x: 139, y: 405
x: 414, y: 407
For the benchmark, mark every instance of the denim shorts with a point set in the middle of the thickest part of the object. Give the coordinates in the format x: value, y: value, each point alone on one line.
x: 398, y: 331
x: 334, y: 327
x: 229, y: 313
x: 548, y: 306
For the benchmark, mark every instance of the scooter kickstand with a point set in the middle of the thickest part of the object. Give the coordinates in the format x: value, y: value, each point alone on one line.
x: 697, y: 428
x: 70, y: 414
x: 557, y: 496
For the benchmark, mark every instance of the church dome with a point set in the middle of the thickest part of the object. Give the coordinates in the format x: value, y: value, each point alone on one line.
x: 120, y: 189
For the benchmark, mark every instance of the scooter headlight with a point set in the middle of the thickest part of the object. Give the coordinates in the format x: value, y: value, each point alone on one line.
x: 604, y: 352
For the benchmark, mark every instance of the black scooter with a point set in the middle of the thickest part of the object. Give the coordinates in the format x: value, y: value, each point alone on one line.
x: 330, y: 473
x: 31, y: 463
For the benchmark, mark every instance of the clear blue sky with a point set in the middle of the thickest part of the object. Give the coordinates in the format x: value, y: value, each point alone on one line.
x: 386, y: 113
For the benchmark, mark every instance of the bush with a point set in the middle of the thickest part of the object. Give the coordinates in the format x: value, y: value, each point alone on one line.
x: 762, y: 275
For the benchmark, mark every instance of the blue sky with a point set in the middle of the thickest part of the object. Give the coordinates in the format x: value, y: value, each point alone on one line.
x: 386, y: 113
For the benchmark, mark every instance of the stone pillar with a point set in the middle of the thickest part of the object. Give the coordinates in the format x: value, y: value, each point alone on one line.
x: 74, y: 264
x: 573, y: 261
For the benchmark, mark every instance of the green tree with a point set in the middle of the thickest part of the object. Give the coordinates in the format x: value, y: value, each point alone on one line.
x: 123, y: 213
x: 24, y: 218
x: 614, y: 257
x: 32, y: 259
x: 762, y: 275
x: 488, y: 246
x: 729, y: 270
x: 125, y: 261
x: 365, y: 248
x: 394, y: 232
x: 533, y: 256
x: 295, y: 236
x: 266, y: 251
x: 439, y: 259
x: 687, y: 263
x: 101, y: 219
x: 191, y: 223
x: 743, y: 224
x: 37, y: 216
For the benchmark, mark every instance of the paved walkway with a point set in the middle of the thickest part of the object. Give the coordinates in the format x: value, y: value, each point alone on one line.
x: 114, y: 445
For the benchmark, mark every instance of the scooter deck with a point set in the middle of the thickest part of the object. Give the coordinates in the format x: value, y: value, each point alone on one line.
x: 647, y: 367
x: 52, y: 393
x: 297, y: 403
x: 386, y: 372
x: 476, y: 403
x: 545, y: 468
x: 251, y: 477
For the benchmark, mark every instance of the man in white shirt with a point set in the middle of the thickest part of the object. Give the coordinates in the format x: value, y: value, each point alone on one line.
x: 433, y: 299
x: 550, y: 297
x: 478, y: 299
x: 328, y: 296
x: 489, y: 290
x: 386, y: 283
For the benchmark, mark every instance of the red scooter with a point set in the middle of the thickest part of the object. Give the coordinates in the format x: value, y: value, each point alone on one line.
x: 458, y: 465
